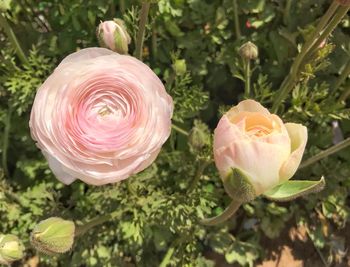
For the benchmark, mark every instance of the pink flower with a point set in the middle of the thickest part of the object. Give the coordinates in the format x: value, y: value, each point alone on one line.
x: 257, y: 143
x: 100, y: 117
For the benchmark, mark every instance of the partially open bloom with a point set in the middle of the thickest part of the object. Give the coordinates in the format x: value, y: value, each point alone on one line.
x: 11, y: 249
x: 100, y: 117
x: 112, y: 34
x: 258, y: 145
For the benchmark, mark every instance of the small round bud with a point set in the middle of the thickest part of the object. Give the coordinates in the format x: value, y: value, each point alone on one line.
x: 199, y: 136
x: 344, y: 2
x: 53, y: 235
x: 180, y: 66
x: 11, y: 249
x: 249, y: 51
x: 112, y: 34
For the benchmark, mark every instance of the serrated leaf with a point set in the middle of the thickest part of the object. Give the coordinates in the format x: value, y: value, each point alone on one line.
x: 292, y: 189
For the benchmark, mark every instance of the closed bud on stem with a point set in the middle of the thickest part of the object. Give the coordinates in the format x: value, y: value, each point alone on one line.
x: 249, y: 51
x: 199, y: 136
x: 112, y: 34
x: 180, y: 66
x: 53, y: 235
x: 344, y: 2
x: 11, y: 249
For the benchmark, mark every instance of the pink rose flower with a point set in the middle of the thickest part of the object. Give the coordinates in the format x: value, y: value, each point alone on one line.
x: 100, y: 117
x: 257, y: 143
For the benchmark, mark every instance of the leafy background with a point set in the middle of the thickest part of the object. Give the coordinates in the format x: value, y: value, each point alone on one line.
x: 192, y: 46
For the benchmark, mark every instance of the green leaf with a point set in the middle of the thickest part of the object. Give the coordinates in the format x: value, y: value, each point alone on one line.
x: 292, y: 189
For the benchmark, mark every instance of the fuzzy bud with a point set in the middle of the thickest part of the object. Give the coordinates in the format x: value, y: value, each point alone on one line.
x: 249, y: 51
x: 344, y: 2
x: 53, y: 235
x: 11, y: 249
x: 180, y: 66
x: 112, y: 34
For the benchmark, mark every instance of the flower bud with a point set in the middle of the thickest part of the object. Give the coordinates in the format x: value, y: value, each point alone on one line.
x: 53, y: 235
x: 199, y: 136
x: 11, y: 249
x: 344, y: 2
x: 249, y: 51
x: 113, y: 35
x: 180, y: 67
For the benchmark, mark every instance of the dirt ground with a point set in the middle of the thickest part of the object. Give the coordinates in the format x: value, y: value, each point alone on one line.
x: 292, y: 249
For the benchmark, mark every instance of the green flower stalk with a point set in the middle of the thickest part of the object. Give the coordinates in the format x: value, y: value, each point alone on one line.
x: 11, y: 249
x: 248, y: 52
x: 53, y: 236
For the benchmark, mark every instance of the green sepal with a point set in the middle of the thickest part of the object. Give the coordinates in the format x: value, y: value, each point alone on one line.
x: 291, y: 190
x: 238, y: 187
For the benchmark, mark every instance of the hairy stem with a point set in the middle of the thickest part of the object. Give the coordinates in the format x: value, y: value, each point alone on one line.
x: 171, y: 251
x: 228, y: 213
x: 286, y: 14
x: 345, y: 94
x: 81, y: 230
x: 5, y: 142
x: 292, y: 78
x: 341, y: 79
x: 180, y: 130
x: 12, y: 38
x: 332, y: 150
x: 122, y: 6
x: 339, y: 15
x: 142, y: 27
x: 247, y: 78
x: 236, y: 20
x: 202, y: 166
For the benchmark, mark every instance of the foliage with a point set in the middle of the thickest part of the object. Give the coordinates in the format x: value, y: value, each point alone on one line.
x: 193, y: 47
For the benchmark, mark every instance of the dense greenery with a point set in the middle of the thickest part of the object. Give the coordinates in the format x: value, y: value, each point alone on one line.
x: 193, y: 47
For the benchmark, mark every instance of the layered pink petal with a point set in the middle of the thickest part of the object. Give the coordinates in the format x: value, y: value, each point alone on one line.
x: 298, y: 136
x: 260, y: 161
x: 102, y: 116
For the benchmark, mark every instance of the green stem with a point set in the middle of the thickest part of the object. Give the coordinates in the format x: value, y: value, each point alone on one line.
x: 154, y: 43
x: 228, y: 213
x: 292, y: 78
x: 286, y: 16
x: 202, y: 166
x: 81, y: 230
x: 345, y: 94
x: 12, y: 38
x: 180, y: 130
x: 236, y: 20
x: 247, y: 78
x: 171, y: 251
x: 122, y: 6
x: 5, y: 142
x: 339, y: 15
x: 343, y: 76
x: 142, y: 27
x: 332, y: 150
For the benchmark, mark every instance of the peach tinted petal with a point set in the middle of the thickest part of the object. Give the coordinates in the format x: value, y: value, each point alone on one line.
x: 247, y: 106
x: 298, y: 136
x: 261, y: 161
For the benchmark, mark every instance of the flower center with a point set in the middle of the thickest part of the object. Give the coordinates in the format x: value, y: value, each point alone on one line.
x: 104, y: 111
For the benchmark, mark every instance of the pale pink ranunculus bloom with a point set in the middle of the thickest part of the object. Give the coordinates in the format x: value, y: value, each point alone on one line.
x: 100, y: 117
x: 251, y: 139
